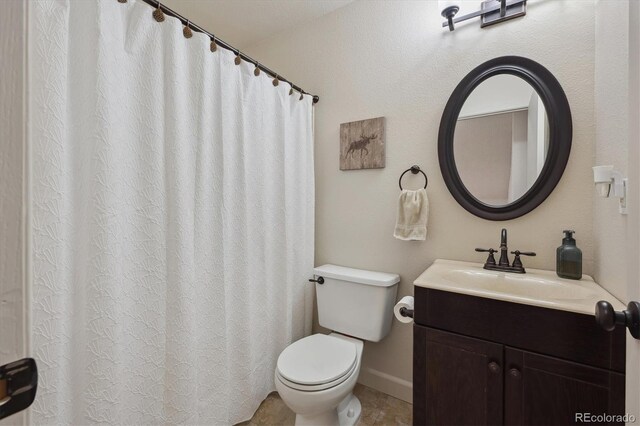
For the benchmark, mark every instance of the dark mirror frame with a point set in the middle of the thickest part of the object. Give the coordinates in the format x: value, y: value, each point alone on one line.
x: 560, y: 134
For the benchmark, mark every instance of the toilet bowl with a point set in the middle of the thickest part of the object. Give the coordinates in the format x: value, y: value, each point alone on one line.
x: 315, y: 377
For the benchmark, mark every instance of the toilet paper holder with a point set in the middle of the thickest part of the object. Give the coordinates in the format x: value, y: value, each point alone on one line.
x: 406, y: 312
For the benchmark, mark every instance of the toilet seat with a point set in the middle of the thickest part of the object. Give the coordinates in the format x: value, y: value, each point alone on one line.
x: 317, y: 362
x: 314, y: 388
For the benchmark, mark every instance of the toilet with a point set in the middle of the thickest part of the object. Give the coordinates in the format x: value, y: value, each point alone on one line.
x: 315, y: 376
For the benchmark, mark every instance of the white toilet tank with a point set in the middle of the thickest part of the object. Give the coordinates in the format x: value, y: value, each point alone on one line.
x: 356, y: 302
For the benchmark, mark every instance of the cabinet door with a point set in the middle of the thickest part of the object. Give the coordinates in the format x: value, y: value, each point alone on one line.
x: 541, y: 390
x: 457, y: 380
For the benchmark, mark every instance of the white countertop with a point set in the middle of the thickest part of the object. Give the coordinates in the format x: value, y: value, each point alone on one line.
x: 536, y: 288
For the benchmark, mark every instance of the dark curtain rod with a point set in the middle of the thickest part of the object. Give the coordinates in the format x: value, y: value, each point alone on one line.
x: 222, y: 43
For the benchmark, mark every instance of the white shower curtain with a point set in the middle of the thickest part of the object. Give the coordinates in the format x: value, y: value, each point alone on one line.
x: 171, y: 220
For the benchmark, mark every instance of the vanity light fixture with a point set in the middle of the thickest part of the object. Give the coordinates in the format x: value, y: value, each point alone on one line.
x: 611, y: 183
x: 491, y: 11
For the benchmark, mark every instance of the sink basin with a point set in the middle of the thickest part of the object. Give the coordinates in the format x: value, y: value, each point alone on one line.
x: 536, y: 287
x: 523, y: 286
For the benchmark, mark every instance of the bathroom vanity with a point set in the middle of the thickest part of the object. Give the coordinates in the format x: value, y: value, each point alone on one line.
x: 496, y: 348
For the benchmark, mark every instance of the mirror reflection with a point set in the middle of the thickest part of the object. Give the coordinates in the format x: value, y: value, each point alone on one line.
x: 501, y: 140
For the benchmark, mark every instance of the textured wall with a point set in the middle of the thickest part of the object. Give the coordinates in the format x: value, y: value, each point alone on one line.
x: 392, y: 59
x: 12, y: 51
x: 617, y: 99
x: 633, y: 225
x: 11, y: 140
x: 611, y: 145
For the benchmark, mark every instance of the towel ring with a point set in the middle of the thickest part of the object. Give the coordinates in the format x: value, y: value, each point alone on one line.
x: 415, y: 170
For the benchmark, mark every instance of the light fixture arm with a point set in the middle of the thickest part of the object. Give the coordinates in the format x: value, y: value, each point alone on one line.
x: 449, y: 13
x: 488, y: 7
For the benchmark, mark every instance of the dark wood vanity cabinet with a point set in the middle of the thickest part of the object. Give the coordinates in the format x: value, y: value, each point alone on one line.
x: 542, y: 390
x: 485, y: 362
x: 461, y: 380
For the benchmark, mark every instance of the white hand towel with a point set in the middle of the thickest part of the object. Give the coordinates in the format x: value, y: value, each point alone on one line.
x: 413, y: 212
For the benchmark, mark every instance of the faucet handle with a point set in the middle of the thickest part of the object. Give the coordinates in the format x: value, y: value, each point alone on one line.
x: 523, y: 253
x: 490, y: 259
x: 517, y: 263
x: 489, y: 250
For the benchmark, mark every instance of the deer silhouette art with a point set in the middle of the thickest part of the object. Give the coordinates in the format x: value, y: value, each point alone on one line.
x: 361, y: 144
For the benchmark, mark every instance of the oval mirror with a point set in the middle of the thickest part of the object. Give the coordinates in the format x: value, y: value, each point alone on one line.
x: 505, y: 138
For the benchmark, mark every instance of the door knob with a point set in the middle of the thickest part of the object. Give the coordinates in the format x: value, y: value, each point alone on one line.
x: 608, y: 318
x: 18, y: 385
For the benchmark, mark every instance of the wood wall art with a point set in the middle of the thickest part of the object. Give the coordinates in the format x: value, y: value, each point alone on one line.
x: 362, y: 144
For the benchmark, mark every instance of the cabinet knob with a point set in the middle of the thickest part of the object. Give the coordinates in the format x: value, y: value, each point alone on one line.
x: 515, y: 373
x: 494, y: 367
x: 608, y: 318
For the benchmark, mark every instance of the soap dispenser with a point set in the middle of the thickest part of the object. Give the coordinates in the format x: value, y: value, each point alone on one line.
x: 569, y: 258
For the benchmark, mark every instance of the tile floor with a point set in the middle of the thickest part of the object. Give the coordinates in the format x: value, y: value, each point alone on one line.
x: 377, y: 409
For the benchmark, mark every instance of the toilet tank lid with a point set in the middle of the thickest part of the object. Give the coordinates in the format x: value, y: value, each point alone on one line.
x: 361, y: 276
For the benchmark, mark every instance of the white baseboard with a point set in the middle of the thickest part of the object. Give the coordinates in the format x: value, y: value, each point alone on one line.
x: 386, y: 383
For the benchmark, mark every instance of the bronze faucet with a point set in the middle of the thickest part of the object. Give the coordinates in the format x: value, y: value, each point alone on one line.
x: 503, y: 264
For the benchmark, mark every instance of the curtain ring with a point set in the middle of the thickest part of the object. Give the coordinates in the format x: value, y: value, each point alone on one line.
x: 256, y: 71
x: 275, y: 81
x: 238, y: 59
x: 301, y: 96
x: 291, y: 90
x: 158, y: 14
x: 186, y: 31
x: 213, y: 47
x: 122, y: 1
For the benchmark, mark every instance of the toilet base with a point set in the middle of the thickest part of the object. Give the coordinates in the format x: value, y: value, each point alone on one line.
x: 346, y: 414
x: 349, y: 410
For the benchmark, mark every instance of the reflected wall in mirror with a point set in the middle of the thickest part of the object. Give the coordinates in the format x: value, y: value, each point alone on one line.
x: 505, y: 138
x: 501, y: 139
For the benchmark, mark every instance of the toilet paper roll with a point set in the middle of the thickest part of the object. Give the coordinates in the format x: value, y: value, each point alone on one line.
x: 405, y: 302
